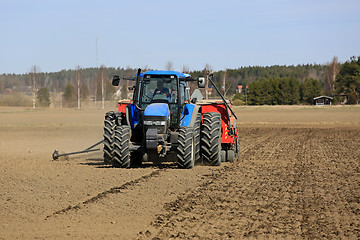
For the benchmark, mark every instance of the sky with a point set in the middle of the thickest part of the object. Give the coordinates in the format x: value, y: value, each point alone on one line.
x: 57, y: 35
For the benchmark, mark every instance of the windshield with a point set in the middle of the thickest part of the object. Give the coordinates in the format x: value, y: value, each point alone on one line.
x: 161, y: 88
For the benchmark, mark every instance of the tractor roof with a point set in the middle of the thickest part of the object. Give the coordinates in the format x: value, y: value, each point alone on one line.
x: 178, y: 74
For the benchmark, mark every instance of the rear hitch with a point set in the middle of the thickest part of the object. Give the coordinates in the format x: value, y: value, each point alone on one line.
x: 56, y: 154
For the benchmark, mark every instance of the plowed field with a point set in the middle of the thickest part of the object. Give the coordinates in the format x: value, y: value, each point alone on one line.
x: 297, y: 176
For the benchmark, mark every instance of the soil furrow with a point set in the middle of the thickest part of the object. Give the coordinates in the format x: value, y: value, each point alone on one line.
x: 280, y: 188
x: 113, y: 190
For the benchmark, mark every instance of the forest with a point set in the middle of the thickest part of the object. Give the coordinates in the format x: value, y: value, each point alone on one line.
x: 270, y: 85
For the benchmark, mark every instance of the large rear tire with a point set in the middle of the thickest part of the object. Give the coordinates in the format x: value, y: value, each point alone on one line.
x: 211, y: 138
x: 109, y: 129
x: 121, y: 147
x: 186, y: 148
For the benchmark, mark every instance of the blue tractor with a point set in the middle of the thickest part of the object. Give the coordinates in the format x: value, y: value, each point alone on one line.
x: 161, y: 124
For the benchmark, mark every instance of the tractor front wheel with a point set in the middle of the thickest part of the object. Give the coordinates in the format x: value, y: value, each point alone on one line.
x: 121, y: 147
x: 186, y: 148
x: 109, y: 128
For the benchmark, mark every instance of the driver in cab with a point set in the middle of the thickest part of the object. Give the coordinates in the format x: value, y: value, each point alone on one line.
x: 161, y: 89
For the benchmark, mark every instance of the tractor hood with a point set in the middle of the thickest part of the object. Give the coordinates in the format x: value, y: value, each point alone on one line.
x: 157, y: 109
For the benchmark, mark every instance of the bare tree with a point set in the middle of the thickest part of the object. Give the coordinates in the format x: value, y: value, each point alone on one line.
x: 332, y: 71
x: 78, y: 79
x: 169, y: 66
x: 124, y: 90
x: 145, y: 68
x: 33, y: 72
x: 186, y: 69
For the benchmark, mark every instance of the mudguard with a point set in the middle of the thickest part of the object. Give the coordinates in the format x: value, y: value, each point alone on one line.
x: 196, y: 110
x: 189, y: 115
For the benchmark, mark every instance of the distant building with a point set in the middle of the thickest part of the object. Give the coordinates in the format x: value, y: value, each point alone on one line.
x: 323, y: 100
x: 242, y: 89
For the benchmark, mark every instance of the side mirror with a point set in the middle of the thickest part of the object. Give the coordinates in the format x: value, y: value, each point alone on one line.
x: 201, y: 82
x: 116, y: 80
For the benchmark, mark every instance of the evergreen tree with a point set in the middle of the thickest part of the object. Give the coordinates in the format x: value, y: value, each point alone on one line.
x: 274, y: 91
x: 310, y: 89
x: 43, y: 97
x: 69, y: 96
x: 348, y: 80
x: 254, y: 93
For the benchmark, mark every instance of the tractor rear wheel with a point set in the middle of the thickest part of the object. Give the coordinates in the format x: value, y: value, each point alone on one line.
x: 109, y: 128
x: 121, y: 147
x: 211, y: 138
x: 186, y: 148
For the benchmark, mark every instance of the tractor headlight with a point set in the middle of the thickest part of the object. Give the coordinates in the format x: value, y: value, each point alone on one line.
x: 154, y: 123
x: 158, y: 122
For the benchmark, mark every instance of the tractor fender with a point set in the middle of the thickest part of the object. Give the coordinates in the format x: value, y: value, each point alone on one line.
x: 189, y: 115
x: 196, y: 110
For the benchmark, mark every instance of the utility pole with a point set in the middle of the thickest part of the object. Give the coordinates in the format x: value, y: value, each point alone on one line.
x: 223, y: 84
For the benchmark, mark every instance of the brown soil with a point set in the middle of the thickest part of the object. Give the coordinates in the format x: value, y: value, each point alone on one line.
x: 297, y: 177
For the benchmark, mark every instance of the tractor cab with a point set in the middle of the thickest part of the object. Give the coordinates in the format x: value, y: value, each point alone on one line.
x: 163, y: 94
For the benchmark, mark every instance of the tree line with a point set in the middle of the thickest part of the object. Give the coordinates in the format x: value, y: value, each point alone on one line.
x: 266, y: 85
x: 94, y: 84
x: 340, y: 81
x: 281, y: 91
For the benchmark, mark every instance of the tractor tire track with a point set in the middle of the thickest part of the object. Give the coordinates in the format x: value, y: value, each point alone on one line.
x: 113, y: 190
